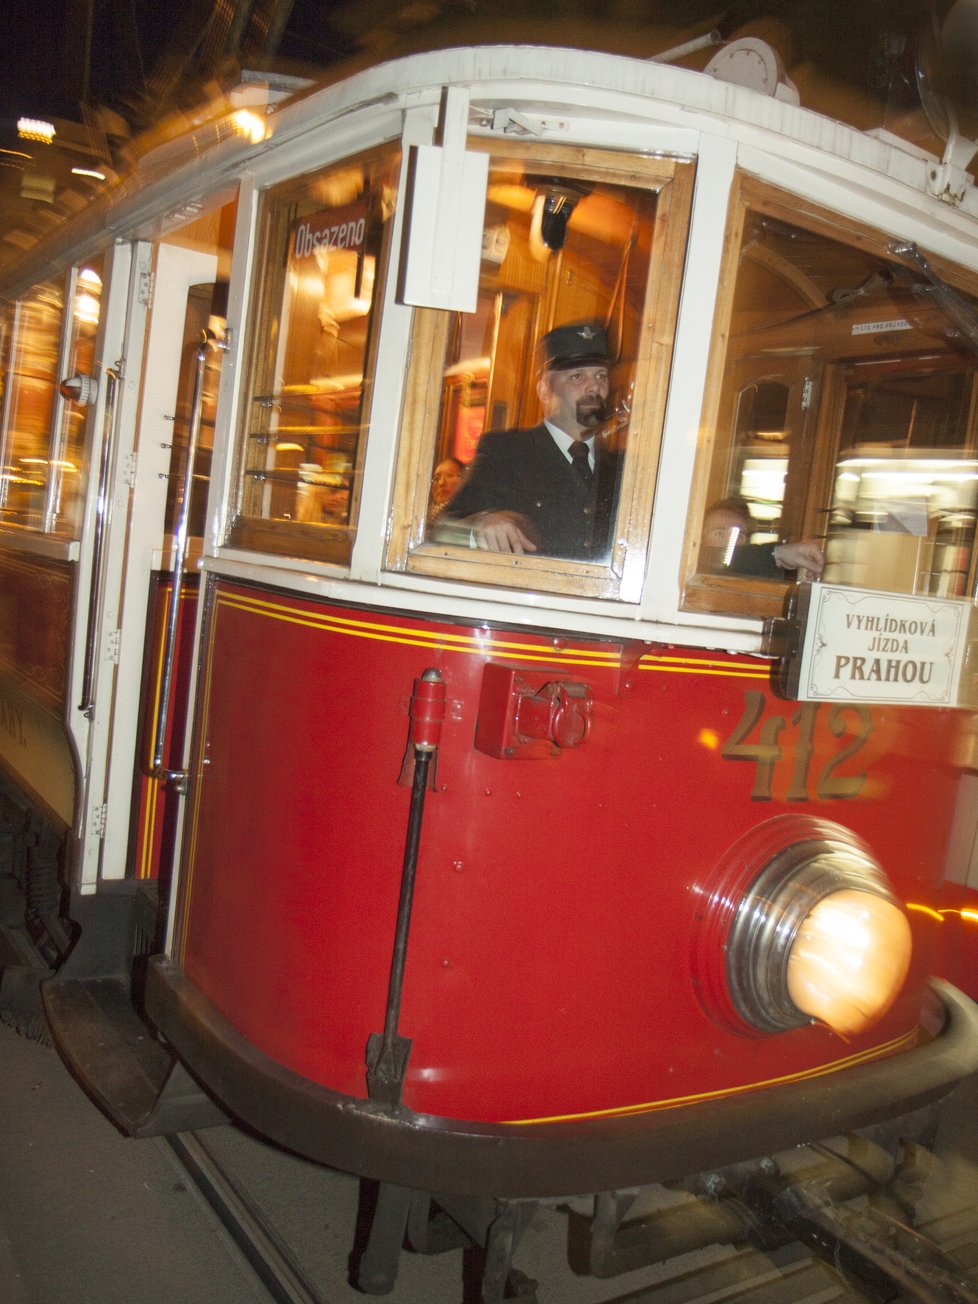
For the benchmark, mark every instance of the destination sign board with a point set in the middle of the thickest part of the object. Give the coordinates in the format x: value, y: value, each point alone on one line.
x: 860, y: 645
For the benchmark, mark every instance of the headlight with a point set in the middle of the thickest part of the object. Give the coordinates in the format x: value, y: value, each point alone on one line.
x: 808, y: 930
x: 818, y: 935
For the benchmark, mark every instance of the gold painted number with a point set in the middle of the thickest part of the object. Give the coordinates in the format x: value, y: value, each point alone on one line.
x: 772, y: 751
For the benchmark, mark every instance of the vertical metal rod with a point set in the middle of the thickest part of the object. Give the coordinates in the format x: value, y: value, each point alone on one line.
x: 180, y: 554
x: 387, y: 1053
x: 87, y: 703
x: 422, y: 762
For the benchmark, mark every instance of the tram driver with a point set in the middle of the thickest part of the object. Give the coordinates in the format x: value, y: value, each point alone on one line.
x: 550, y: 488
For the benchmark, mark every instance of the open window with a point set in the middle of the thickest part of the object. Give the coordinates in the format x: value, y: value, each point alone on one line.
x: 584, y: 238
x: 844, y: 407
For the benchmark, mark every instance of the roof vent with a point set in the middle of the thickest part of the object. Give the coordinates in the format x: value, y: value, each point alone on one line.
x: 755, y: 64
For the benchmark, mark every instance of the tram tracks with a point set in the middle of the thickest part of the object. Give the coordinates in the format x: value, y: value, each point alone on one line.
x: 787, y: 1273
x: 748, y: 1276
x: 262, y: 1247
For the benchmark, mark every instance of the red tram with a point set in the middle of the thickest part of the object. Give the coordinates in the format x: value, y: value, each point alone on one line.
x: 491, y: 875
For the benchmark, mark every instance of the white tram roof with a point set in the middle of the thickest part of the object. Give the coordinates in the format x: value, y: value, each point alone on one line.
x: 584, y: 96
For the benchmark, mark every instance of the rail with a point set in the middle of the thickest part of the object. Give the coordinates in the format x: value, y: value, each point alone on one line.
x: 257, y: 1241
x: 87, y: 703
x: 157, y: 768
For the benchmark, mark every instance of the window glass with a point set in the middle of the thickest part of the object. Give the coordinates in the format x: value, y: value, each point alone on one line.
x: 28, y: 403
x: 324, y: 245
x: 204, y: 329
x: 66, y: 480
x: 566, y: 258
x: 904, y: 494
x: 201, y: 358
x: 847, y: 412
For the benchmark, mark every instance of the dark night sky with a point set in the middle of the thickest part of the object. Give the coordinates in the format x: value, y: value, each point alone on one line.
x: 43, y: 69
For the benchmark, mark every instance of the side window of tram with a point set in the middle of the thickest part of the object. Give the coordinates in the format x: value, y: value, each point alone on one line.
x: 848, y: 412
x: 325, y: 245
x: 66, y: 491
x: 43, y: 479
x: 566, y: 260
x: 31, y: 368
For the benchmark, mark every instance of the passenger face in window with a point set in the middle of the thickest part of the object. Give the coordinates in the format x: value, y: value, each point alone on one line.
x: 446, y: 479
x: 726, y: 527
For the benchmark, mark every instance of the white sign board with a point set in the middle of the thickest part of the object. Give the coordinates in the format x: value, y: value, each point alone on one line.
x: 448, y: 211
x: 859, y: 645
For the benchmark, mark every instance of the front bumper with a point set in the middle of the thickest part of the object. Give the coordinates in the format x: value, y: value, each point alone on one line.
x: 429, y: 1153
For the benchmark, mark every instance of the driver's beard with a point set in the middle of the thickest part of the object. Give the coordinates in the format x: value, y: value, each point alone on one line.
x: 591, y: 412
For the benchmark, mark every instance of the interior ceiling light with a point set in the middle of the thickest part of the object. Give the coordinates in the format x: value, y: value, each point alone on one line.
x: 550, y: 214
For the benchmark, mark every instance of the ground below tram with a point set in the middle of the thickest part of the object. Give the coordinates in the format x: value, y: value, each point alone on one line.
x: 90, y: 1216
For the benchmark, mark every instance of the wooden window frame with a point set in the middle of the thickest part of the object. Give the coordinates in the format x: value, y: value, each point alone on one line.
x: 620, y: 577
x: 331, y: 544
x: 749, y: 595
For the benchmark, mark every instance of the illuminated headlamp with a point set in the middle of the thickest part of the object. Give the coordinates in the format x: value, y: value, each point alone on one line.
x: 798, y: 924
x: 817, y: 936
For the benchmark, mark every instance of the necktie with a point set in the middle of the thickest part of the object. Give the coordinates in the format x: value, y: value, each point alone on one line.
x: 580, y: 460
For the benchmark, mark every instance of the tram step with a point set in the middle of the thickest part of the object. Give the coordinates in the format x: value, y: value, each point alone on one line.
x: 143, y: 1089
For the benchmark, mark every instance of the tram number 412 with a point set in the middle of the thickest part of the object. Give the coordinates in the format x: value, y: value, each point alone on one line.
x: 851, y: 723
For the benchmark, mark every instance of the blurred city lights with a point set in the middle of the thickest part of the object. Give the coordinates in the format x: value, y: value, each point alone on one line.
x: 249, y: 124
x: 35, y: 129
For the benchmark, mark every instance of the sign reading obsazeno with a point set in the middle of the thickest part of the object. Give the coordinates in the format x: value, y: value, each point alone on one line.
x: 857, y: 645
x: 333, y: 228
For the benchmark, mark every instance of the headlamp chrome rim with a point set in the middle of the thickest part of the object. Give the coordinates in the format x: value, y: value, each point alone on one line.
x: 770, y: 916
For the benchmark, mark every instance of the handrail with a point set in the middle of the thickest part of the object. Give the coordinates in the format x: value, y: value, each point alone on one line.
x: 157, y: 768
x: 87, y: 703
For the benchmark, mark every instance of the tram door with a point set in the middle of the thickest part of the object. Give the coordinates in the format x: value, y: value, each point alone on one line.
x: 198, y: 341
x: 124, y: 826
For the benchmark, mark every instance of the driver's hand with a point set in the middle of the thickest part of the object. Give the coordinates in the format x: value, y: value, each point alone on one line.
x: 504, y: 532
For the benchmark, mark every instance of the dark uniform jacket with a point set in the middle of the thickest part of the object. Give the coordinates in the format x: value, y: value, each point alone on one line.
x: 524, y: 471
x: 756, y: 559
